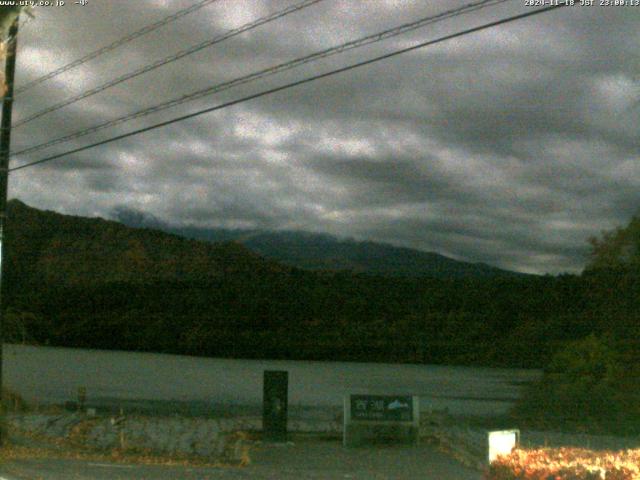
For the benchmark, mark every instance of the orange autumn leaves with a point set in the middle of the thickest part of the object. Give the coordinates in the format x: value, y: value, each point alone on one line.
x: 566, y: 464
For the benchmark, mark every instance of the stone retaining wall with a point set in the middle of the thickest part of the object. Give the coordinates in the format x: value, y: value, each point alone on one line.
x: 228, y: 438
x: 223, y: 438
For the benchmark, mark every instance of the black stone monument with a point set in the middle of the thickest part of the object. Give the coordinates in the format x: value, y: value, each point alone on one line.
x: 275, y: 404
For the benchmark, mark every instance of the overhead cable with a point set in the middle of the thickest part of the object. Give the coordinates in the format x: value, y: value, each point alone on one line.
x: 112, y: 46
x: 296, y: 83
x: 363, y: 41
x: 169, y: 59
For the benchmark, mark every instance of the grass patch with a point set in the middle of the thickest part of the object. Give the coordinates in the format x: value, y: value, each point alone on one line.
x: 12, y: 402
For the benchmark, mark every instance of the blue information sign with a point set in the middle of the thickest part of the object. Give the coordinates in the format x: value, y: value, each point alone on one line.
x: 391, y: 408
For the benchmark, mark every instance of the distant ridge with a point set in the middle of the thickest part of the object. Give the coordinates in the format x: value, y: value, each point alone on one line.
x: 319, y: 251
x: 46, y: 247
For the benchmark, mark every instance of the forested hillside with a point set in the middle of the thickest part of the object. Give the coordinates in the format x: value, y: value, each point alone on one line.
x: 92, y: 283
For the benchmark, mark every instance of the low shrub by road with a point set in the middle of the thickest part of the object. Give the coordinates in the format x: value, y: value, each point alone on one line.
x: 566, y: 464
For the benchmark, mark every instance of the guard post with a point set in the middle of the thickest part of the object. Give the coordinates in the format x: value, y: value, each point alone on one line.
x: 275, y: 405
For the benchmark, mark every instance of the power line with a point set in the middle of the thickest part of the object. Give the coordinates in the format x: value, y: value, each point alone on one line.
x: 169, y: 59
x: 369, y: 39
x: 296, y: 83
x: 126, y: 39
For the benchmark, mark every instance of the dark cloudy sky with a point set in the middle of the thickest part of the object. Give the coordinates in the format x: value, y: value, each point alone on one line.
x: 511, y: 146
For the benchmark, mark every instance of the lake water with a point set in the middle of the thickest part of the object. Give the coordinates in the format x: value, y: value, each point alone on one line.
x: 53, y: 375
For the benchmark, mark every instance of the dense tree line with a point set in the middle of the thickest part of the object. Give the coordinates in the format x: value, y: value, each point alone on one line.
x: 82, y: 282
x: 338, y: 316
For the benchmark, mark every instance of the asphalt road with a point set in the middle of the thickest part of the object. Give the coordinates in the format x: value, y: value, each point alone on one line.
x: 305, y: 459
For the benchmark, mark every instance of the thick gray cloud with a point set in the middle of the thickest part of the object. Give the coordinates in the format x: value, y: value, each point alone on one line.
x: 510, y: 146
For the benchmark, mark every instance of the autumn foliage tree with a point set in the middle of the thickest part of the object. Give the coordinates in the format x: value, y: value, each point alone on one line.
x: 593, y: 382
x: 618, y: 249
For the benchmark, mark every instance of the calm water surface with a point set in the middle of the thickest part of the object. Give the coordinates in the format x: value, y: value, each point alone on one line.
x: 53, y: 375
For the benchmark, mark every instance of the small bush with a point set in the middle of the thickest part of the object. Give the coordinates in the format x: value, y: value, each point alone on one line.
x: 587, y: 386
x: 566, y: 464
x: 12, y: 402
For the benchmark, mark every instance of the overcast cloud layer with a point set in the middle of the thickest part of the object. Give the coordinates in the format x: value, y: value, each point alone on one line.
x: 511, y: 146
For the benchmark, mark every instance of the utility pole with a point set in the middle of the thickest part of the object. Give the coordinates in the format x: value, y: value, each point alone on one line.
x: 5, y: 140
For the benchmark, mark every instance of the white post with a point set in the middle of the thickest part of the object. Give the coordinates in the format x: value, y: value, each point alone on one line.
x: 502, y: 442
